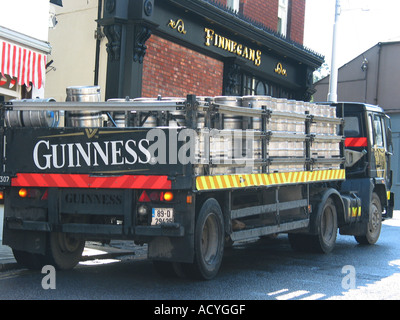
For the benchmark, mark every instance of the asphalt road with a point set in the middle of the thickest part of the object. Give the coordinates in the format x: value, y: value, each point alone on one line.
x: 267, y: 269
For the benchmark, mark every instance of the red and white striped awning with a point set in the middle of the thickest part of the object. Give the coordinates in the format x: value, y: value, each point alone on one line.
x: 28, y: 66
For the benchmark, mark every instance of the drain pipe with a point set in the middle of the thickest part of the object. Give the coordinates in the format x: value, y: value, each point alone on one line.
x: 98, y: 43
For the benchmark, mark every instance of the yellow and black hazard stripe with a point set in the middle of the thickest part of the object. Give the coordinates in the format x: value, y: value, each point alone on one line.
x: 355, y: 212
x: 263, y: 179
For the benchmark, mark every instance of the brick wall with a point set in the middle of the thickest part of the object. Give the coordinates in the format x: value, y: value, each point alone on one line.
x: 172, y: 70
x: 296, y: 20
x: 266, y: 12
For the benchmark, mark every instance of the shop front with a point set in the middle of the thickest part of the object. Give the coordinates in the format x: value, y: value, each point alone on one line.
x: 179, y: 47
x: 22, y: 65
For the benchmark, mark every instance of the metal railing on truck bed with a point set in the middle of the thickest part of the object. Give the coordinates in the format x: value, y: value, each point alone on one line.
x: 223, y: 136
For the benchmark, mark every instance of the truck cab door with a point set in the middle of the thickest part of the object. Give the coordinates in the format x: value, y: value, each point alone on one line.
x: 380, y: 147
x: 389, y: 149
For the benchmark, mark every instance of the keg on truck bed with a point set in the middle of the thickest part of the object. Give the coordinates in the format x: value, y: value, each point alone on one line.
x: 225, y: 148
x: 30, y: 118
x: 257, y: 102
x: 175, y: 118
x: 83, y: 118
x: 230, y: 122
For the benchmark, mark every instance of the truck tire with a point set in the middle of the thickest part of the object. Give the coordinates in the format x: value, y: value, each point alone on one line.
x: 327, y: 226
x: 63, y: 250
x: 208, y: 242
x: 374, y: 224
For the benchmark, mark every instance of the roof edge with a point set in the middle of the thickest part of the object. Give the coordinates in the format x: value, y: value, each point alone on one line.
x: 229, y: 18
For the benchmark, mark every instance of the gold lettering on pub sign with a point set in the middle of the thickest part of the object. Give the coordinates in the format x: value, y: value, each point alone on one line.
x: 216, y: 40
x: 178, y: 25
x: 279, y: 70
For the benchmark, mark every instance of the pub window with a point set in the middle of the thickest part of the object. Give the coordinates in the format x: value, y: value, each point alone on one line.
x: 255, y: 86
x: 249, y: 85
x: 283, y: 16
x: 234, y: 5
x: 261, y: 89
x: 10, y: 89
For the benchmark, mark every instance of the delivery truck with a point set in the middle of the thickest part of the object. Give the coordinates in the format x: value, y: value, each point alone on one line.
x: 189, y: 176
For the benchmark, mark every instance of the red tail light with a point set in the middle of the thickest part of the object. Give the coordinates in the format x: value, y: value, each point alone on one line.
x: 45, y: 195
x: 144, y: 197
x: 31, y: 193
x: 155, y: 196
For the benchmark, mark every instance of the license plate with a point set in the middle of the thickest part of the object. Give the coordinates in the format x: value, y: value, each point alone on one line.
x: 162, y: 215
x: 5, y: 181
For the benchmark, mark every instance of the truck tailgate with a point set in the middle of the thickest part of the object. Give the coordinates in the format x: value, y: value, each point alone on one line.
x: 86, y: 157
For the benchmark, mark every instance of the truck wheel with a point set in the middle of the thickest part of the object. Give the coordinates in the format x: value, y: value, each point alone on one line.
x: 326, y: 224
x: 64, y: 251
x: 208, y: 242
x: 374, y: 224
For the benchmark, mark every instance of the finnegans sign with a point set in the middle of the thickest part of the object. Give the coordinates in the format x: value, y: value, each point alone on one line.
x: 218, y: 41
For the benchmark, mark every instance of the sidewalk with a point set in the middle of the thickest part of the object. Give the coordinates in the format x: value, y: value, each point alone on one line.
x: 7, y: 260
x: 92, y: 251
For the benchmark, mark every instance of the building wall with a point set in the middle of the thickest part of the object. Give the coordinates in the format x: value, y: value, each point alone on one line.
x: 266, y: 12
x: 355, y: 84
x: 373, y: 84
x: 389, y: 76
x: 296, y: 20
x: 172, y: 70
x: 395, y: 165
x: 74, y: 46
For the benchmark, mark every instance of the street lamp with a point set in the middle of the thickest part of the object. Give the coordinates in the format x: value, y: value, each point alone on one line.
x: 332, y: 95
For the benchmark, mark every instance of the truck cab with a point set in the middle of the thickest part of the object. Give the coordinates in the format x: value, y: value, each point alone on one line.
x: 367, y: 149
x: 368, y: 132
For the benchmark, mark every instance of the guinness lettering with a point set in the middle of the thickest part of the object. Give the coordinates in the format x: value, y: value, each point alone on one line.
x: 94, y: 199
x: 134, y: 151
x: 73, y: 155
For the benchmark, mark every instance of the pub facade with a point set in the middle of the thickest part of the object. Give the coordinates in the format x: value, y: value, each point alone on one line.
x: 176, y: 47
x: 146, y: 48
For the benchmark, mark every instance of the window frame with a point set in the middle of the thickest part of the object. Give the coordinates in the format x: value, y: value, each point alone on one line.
x: 283, y: 12
x: 233, y: 4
